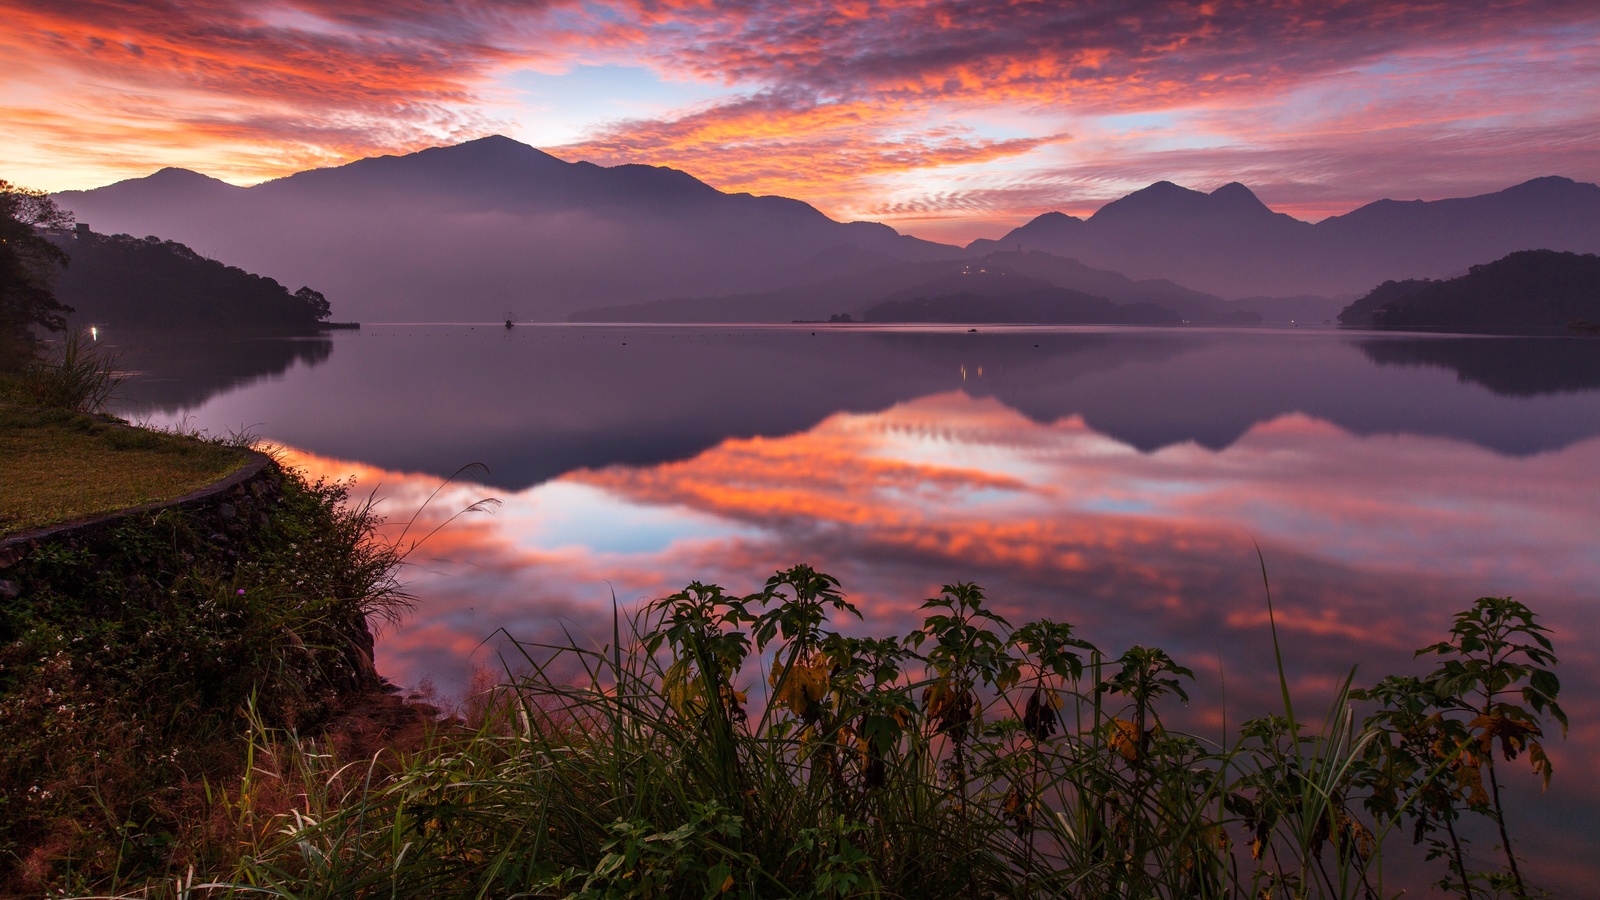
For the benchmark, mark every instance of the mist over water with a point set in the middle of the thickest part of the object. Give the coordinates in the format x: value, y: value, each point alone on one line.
x: 1119, y: 479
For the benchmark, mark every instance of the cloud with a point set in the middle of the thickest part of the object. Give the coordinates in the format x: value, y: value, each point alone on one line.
x: 259, y: 88
x: 792, y: 144
x: 916, y: 111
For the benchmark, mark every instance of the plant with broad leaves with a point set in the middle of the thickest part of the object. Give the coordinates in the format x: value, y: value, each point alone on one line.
x: 1440, y: 733
x: 967, y: 651
x: 640, y: 862
x: 1498, y: 655
x: 1143, y: 674
x: 1414, y: 767
x: 701, y: 626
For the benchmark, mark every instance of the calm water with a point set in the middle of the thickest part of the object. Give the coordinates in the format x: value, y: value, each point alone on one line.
x: 1112, y: 478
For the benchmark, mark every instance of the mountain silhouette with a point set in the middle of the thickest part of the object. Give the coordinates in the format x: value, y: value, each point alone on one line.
x: 468, y: 231
x: 868, y: 280
x: 1229, y: 243
x: 123, y: 281
x: 992, y: 294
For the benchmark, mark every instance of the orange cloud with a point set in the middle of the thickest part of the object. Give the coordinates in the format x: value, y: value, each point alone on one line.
x: 254, y: 90
x: 794, y: 146
x: 926, y: 112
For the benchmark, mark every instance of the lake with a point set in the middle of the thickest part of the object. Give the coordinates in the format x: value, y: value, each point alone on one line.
x: 1118, y: 479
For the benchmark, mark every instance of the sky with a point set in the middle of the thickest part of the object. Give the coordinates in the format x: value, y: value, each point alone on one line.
x: 948, y: 119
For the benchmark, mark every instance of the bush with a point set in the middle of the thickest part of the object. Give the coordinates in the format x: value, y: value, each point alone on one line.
x: 127, y: 670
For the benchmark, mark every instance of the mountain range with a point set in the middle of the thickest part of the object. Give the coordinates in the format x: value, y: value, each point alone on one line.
x: 1228, y: 242
x: 855, y: 294
x: 471, y: 231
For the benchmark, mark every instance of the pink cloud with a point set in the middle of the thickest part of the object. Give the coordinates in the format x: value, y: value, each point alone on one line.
x: 886, y: 109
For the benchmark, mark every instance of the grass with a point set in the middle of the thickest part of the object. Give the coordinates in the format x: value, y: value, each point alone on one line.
x: 76, y: 375
x: 966, y: 759
x: 60, y: 462
x: 58, y: 465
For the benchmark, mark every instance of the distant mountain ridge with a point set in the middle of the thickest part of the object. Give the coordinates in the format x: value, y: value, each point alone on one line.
x: 472, y: 230
x: 876, y: 282
x: 988, y: 294
x: 1229, y: 243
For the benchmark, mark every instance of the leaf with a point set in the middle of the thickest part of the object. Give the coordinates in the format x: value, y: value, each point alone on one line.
x: 1541, y: 764
x: 1124, y: 739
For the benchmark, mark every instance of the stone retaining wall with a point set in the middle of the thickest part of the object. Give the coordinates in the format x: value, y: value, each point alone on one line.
x: 229, y: 512
x: 256, y: 480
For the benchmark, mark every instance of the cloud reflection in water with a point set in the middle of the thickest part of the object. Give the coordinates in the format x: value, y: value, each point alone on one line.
x: 1371, y: 543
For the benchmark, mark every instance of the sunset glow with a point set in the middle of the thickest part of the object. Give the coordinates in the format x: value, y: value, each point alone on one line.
x: 952, y: 120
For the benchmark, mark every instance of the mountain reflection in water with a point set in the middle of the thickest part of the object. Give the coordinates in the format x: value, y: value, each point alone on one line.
x: 1115, y: 480
x: 1371, y: 542
x: 534, y: 403
x: 175, y: 371
x: 1517, y: 367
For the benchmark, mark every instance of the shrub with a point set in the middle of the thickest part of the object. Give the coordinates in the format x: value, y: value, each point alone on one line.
x: 126, y: 671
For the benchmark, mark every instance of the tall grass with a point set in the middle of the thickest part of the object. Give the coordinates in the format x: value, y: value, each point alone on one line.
x: 76, y: 376
x: 969, y: 758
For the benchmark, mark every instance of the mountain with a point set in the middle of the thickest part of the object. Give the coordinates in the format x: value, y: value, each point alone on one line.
x: 821, y: 297
x: 985, y: 294
x: 1229, y: 243
x: 472, y: 230
x: 1226, y: 242
x: 127, y: 281
x: 1528, y: 292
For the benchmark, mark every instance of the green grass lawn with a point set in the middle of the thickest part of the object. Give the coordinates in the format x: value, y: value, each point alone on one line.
x: 58, y: 466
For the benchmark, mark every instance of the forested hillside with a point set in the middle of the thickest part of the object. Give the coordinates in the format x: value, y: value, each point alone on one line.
x: 124, y: 280
x: 1528, y: 292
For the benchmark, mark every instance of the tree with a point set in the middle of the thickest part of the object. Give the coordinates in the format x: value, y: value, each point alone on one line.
x: 314, y: 302
x: 29, y: 262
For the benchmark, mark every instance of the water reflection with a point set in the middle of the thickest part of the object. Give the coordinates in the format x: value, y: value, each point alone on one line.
x: 1515, y: 367
x: 1372, y: 542
x: 1110, y: 478
x: 534, y: 403
x: 171, y: 372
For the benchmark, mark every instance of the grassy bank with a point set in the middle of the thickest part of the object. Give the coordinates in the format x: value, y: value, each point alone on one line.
x: 129, y: 662
x: 138, y: 652
x: 58, y: 465
x: 61, y: 461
